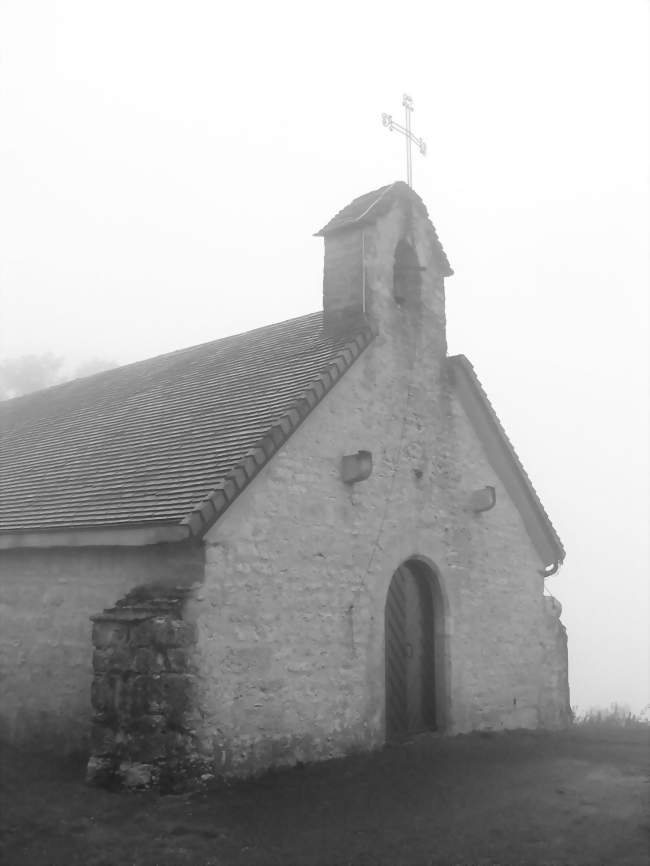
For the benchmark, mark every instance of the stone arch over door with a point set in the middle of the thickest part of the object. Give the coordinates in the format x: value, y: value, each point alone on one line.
x: 414, y: 652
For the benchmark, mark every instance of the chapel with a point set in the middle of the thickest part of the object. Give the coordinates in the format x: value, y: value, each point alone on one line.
x: 282, y: 546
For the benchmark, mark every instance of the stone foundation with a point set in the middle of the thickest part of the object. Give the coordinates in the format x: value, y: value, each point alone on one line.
x: 143, y: 691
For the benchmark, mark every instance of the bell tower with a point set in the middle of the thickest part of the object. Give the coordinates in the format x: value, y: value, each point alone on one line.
x: 384, y: 262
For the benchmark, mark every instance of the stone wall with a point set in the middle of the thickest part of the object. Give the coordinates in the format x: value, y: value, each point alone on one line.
x: 291, y: 616
x: 143, y: 692
x: 46, y: 600
x: 342, y: 279
x: 555, y: 700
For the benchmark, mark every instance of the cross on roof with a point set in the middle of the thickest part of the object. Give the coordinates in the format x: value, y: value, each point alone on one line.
x: 387, y: 120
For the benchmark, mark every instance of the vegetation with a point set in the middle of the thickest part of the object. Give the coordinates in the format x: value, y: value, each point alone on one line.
x: 617, y: 716
x: 29, y: 373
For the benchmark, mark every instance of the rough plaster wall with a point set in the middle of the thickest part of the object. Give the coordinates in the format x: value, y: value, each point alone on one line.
x: 46, y: 599
x: 291, y: 615
x: 342, y: 283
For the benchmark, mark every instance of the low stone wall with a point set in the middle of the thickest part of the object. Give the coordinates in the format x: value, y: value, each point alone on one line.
x: 143, y: 692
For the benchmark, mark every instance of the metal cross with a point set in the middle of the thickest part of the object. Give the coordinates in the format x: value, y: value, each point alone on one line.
x: 387, y: 120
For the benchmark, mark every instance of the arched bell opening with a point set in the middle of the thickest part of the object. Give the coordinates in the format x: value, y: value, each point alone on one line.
x: 407, y: 273
x: 414, y: 652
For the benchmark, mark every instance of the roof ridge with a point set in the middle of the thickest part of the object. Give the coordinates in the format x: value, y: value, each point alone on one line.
x: 206, y: 513
x: 384, y: 192
x: 347, y: 215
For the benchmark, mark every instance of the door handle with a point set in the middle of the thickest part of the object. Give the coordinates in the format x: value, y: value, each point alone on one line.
x: 408, y: 651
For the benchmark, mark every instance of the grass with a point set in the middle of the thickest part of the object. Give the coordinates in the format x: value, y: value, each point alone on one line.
x: 512, y: 799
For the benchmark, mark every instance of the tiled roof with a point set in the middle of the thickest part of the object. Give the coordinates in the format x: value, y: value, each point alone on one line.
x: 165, y: 441
x: 460, y: 362
x: 372, y: 205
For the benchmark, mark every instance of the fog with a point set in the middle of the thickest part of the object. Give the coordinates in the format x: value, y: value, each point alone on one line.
x: 163, y: 167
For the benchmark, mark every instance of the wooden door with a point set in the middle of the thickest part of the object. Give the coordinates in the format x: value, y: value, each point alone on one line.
x: 410, y: 701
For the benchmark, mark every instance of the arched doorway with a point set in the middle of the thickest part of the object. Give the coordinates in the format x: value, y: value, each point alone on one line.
x: 410, y: 650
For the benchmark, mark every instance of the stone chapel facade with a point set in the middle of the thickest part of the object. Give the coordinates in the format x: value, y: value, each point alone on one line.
x: 293, y: 544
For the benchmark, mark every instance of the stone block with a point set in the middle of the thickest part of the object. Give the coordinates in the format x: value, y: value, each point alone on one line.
x: 135, y: 774
x: 178, y: 690
x: 163, y: 633
x: 145, y: 723
x: 103, y: 694
x: 145, y: 747
x: 147, y: 660
x: 184, y: 634
x: 115, y: 658
x: 178, y: 659
x: 142, y: 634
x: 140, y: 695
x: 108, y: 633
x: 100, y: 771
x: 102, y: 740
x: 155, y: 747
x: 101, y: 661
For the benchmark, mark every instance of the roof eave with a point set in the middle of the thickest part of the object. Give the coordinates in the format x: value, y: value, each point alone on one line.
x: 96, y: 536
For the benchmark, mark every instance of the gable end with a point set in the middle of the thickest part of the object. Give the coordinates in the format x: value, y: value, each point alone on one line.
x: 506, y: 462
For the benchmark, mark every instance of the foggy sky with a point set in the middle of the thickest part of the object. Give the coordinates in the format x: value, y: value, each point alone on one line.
x: 163, y: 167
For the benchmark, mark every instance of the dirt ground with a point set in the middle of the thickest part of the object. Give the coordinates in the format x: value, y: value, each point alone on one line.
x: 496, y: 800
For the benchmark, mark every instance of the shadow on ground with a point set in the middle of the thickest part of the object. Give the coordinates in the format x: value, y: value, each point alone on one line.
x: 499, y: 800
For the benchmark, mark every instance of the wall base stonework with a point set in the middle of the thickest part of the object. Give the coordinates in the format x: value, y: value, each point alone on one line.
x: 143, y: 693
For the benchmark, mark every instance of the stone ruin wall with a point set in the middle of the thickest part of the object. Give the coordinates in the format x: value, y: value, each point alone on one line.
x: 143, y: 693
x: 555, y: 701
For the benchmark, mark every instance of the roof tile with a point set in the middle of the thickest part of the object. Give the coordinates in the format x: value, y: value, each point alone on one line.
x: 151, y: 441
